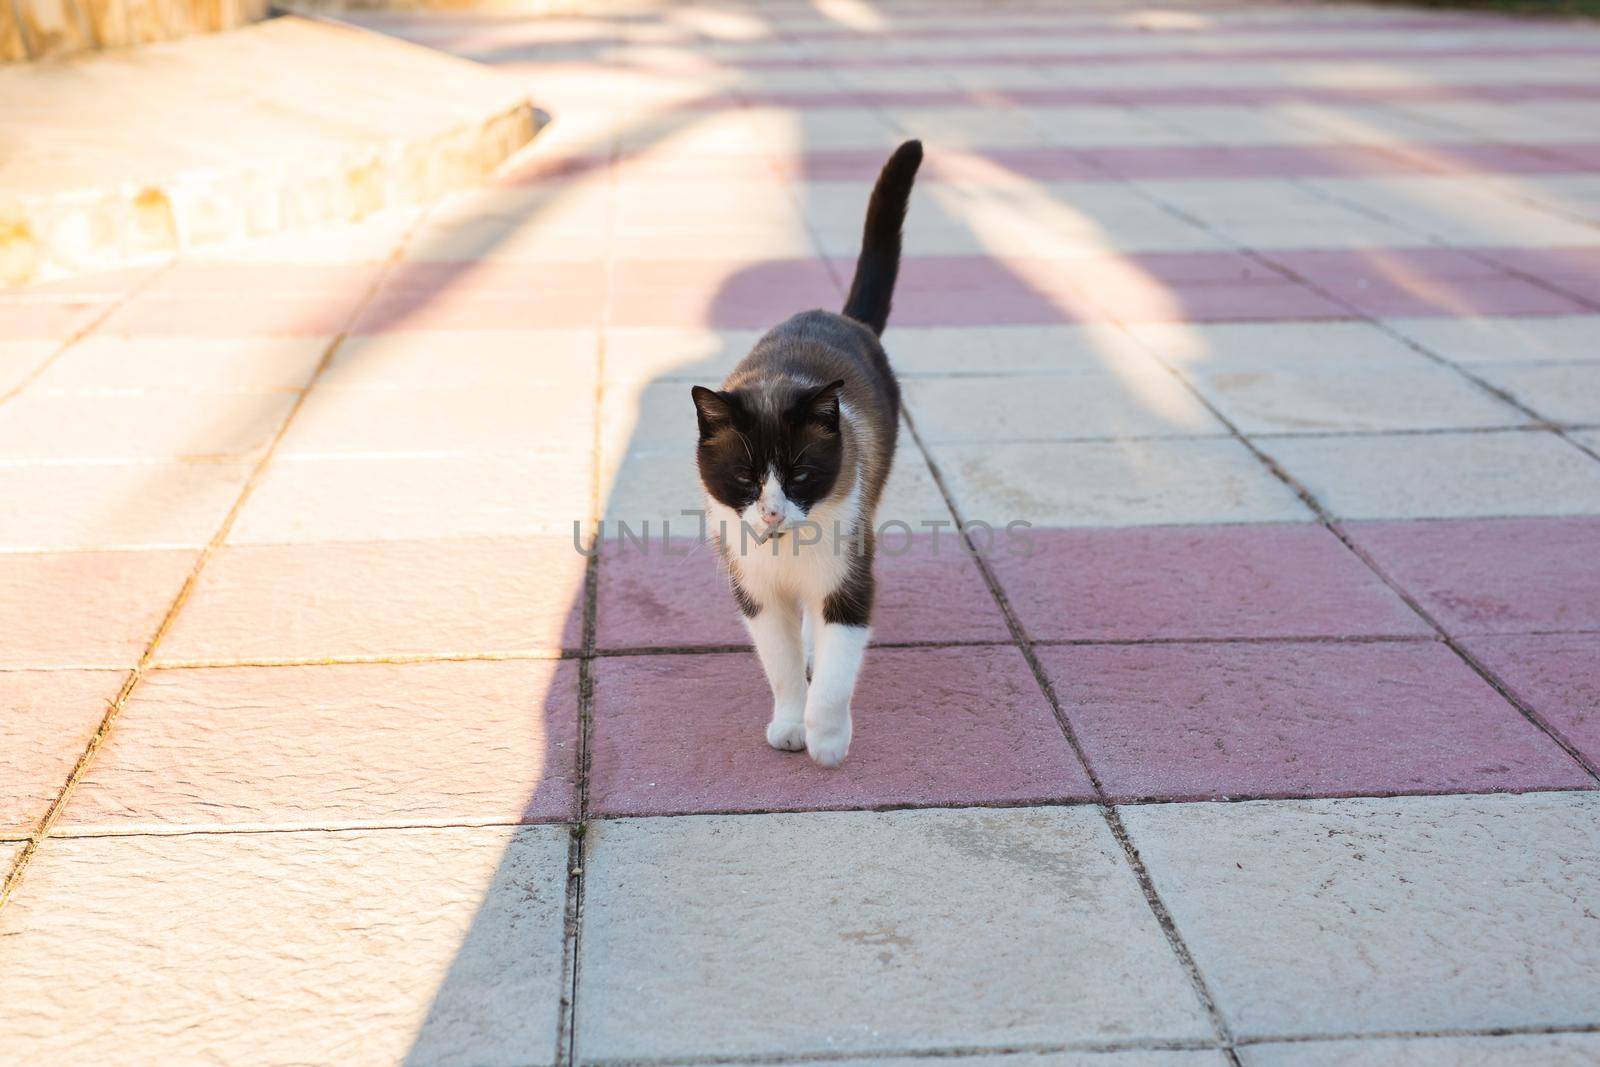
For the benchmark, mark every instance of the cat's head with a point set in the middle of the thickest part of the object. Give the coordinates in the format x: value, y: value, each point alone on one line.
x: 770, y: 456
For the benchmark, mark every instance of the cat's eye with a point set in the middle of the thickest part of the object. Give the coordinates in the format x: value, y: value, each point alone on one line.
x: 745, y: 479
x: 799, y: 476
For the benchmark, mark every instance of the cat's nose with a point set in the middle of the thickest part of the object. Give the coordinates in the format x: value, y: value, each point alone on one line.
x: 771, y: 516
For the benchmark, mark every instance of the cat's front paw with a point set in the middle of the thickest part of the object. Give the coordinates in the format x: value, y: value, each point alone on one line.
x: 828, y: 746
x: 786, y: 735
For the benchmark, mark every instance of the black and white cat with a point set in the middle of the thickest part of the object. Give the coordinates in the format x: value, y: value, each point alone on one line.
x: 794, y: 452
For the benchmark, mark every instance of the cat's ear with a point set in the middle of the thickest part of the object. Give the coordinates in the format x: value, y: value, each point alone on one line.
x: 713, y: 409
x: 823, y: 405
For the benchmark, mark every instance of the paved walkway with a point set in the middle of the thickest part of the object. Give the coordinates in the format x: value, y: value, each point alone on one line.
x: 1279, y: 326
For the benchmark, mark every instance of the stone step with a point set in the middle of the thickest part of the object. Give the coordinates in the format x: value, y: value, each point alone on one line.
x: 113, y: 157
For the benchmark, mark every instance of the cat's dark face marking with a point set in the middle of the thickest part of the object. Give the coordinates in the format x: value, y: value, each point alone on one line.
x: 790, y: 432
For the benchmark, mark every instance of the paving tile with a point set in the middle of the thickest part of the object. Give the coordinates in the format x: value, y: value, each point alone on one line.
x: 1496, y: 575
x: 48, y: 320
x: 1442, y: 476
x: 652, y: 487
x: 688, y: 354
x: 470, y: 421
x: 1563, y: 393
x: 1068, y: 950
x: 41, y: 425
x: 203, y: 316
x: 1269, y: 580
x: 1114, y: 483
x: 1400, y: 914
x: 258, y: 603
x: 158, y: 504
x: 1135, y: 400
x: 85, y: 609
x: 1564, y: 339
x: 676, y: 594
x: 1121, y: 1058
x: 1410, y: 395
x: 1218, y: 721
x: 678, y: 734
x: 1357, y: 347
x: 400, y: 310
x: 364, y: 745
x: 386, y: 498
x: 459, y: 960
x: 224, y: 280
x: 1570, y: 270
x: 1504, y: 1050
x: 46, y: 720
x: 425, y: 359
x: 19, y: 359
x: 1555, y: 675
x: 185, y: 363
x: 981, y: 350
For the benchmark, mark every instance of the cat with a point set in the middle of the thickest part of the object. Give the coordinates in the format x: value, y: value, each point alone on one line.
x: 793, y: 453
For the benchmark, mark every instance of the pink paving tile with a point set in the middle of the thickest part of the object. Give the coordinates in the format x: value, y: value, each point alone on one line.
x: 1452, y: 297
x: 269, y: 603
x: 46, y: 720
x: 932, y: 726
x: 1483, y: 576
x: 1289, y: 720
x: 362, y: 745
x: 1078, y: 58
x: 1351, y: 266
x: 754, y: 295
x: 1557, y: 676
x: 1198, y: 582
x: 1573, y: 270
x: 85, y: 609
x: 648, y: 599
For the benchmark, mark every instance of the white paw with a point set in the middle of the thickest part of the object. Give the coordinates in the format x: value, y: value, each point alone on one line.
x: 786, y: 735
x: 828, y: 747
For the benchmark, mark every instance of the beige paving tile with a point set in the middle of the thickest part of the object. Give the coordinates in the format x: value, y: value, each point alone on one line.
x: 1402, y: 395
x: 1115, y: 483
x: 160, y: 425
x: 439, y: 359
x: 1406, y: 914
x: 704, y: 356
x: 1122, y: 1058
x: 19, y: 359
x: 1351, y: 347
x: 316, y: 601
x: 917, y: 351
x: 1565, y: 393
x: 1548, y: 1050
x: 1068, y: 950
x: 46, y: 720
x: 1556, y: 339
x: 439, y: 945
x: 185, y: 363
x: 378, y: 498
x: 454, y: 743
x: 1438, y: 476
x: 85, y: 609
x: 156, y: 504
x: 482, y: 420
x: 1139, y: 401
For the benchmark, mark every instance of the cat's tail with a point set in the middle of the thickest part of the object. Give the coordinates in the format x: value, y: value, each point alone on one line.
x: 873, y: 285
